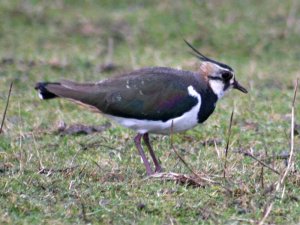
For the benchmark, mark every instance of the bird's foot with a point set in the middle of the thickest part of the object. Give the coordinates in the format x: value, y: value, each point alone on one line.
x: 158, y: 169
x: 149, y: 171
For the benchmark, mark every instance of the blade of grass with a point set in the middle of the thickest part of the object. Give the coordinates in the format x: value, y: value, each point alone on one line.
x: 227, y: 144
x: 6, y: 107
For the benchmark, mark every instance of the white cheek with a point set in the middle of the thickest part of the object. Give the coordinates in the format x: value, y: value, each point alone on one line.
x: 218, y: 87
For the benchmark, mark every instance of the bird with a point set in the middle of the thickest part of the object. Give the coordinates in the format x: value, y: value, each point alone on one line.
x: 152, y: 100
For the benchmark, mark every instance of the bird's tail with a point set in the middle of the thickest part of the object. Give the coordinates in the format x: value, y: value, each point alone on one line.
x: 44, y: 93
x: 85, y: 94
x: 66, y: 89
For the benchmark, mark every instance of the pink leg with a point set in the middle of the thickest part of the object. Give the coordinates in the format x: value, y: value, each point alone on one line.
x: 158, y: 168
x: 137, y: 141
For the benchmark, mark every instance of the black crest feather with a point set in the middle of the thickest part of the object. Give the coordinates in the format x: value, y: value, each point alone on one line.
x: 202, y: 57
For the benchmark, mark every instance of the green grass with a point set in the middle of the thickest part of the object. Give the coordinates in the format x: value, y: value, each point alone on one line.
x: 99, y: 178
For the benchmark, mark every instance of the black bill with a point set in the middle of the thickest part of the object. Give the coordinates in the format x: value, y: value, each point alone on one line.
x: 239, y: 87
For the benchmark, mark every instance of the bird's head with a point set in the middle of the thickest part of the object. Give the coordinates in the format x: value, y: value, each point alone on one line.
x: 220, y: 76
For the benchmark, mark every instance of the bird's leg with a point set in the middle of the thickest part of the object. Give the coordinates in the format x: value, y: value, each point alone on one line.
x: 137, y: 141
x: 158, y: 168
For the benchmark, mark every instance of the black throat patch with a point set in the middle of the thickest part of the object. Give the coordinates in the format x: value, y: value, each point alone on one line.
x: 208, y: 105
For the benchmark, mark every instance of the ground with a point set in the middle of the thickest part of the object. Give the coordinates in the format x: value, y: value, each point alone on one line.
x: 52, y: 178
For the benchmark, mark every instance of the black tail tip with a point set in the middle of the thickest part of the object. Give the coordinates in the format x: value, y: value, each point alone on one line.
x: 44, y: 94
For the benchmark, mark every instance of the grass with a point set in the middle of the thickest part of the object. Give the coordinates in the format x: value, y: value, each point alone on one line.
x: 99, y: 178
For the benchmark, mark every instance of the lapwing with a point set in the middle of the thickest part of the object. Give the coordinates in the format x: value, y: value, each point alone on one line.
x: 154, y: 100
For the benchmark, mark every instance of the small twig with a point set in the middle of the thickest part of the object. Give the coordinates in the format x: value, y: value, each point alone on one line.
x: 51, y: 171
x: 281, y: 181
x: 227, y: 144
x: 261, y: 162
x: 295, y: 93
x: 262, y: 177
x: 5, y: 110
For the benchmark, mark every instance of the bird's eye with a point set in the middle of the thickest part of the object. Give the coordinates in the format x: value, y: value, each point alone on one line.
x: 227, y: 76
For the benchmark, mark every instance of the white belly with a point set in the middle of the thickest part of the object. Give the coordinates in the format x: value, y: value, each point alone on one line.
x: 186, y: 121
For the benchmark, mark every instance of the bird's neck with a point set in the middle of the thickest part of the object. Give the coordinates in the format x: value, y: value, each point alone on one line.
x: 208, y: 104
